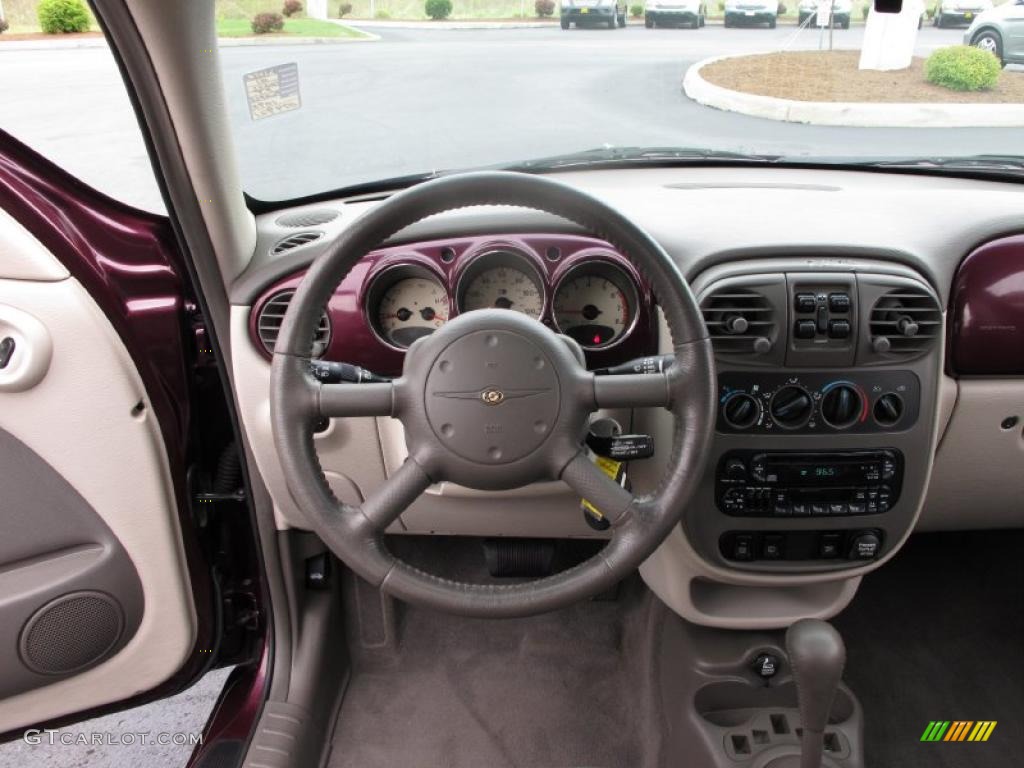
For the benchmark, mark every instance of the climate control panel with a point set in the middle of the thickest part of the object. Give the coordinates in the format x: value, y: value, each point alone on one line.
x: 817, y: 402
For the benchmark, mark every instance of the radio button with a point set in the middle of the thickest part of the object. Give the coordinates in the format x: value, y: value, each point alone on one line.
x: 736, y: 469
x: 838, y: 509
x: 805, y: 302
x: 800, y: 510
x: 819, y: 509
x: 857, y: 508
x: 804, y: 329
x: 782, y: 510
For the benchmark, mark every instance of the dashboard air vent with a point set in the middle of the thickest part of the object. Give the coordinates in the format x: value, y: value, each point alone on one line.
x: 294, y: 241
x: 268, y: 324
x: 314, y: 218
x: 905, y: 322
x: 740, y: 321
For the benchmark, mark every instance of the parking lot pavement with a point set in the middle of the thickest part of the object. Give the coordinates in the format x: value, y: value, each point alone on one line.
x: 444, y: 99
x: 185, y: 713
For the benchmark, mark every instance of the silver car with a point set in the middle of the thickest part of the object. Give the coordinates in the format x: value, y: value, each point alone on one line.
x: 1000, y: 31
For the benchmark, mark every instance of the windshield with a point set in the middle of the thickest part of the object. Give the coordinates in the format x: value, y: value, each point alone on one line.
x: 387, y: 93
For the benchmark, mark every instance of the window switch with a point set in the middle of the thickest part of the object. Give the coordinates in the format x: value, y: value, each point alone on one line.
x: 6, y: 351
x: 805, y: 329
x: 839, y: 329
x: 839, y: 302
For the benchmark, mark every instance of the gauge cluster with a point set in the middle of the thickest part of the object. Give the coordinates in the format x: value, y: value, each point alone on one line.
x: 577, y: 286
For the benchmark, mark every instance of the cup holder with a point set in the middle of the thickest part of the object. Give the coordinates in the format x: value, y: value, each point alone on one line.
x: 732, y: 703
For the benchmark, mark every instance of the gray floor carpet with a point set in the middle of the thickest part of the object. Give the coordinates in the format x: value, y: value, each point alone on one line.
x: 938, y: 634
x: 549, y: 691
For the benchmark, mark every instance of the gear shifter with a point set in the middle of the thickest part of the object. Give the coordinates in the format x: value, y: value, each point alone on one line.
x: 816, y: 657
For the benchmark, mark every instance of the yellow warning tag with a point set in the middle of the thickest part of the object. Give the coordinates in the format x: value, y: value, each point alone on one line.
x: 613, y: 469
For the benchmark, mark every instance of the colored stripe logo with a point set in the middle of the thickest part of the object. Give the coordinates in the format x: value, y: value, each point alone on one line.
x: 958, y: 730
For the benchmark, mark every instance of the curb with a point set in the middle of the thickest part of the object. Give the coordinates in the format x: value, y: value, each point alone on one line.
x: 448, y: 25
x: 849, y: 113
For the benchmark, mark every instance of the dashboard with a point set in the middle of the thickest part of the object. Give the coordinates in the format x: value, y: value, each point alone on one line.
x: 579, y: 286
x: 870, y: 367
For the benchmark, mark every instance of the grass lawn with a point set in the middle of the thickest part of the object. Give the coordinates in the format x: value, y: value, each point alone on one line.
x: 292, y: 28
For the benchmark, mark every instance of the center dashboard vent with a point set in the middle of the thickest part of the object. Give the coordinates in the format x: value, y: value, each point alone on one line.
x: 268, y: 324
x: 905, y: 322
x: 740, y: 321
x: 294, y: 241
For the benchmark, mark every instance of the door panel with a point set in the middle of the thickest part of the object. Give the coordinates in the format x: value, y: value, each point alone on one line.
x: 87, y: 507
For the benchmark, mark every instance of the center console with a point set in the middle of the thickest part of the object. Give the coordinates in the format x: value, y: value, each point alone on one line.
x: 828, y: 373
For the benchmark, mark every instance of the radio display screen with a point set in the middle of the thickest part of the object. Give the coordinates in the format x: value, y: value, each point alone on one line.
x: 820, y: 473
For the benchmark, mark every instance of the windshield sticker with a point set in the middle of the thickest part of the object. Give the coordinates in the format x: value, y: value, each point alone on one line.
x: 273, y: 90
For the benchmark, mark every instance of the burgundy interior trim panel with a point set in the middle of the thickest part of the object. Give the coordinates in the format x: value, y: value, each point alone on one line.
x: 987, y: 328
x: 353, y: 339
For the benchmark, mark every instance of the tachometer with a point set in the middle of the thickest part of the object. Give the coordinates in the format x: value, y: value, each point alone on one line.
x: 594, y: 305
x: 504, y: 287
x: 410, y: 308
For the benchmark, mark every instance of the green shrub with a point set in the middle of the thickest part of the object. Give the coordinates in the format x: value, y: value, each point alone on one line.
x: 930, y: 13
x: 721, y: 6
x: 636, y: 11
x: 291, y: 7
x: 344, y: 9
x: 864, y: 11
x: 782, y: 9
x: 439, y: 9
x: 60, y: 16
x: 962, y: 68
x: 4, y: 26
x: 544, y: 7
x: 265, y: 23
x: 382, y: 14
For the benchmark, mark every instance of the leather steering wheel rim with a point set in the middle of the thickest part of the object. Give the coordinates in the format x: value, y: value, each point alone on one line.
x: 552, y: 384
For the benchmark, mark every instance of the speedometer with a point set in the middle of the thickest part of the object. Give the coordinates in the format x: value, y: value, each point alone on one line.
x: 504, y: 287
x: 594, y: 305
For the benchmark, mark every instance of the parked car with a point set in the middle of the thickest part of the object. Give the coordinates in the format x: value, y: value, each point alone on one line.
x: 841, y: 11
x: 659, y: 13
x: 740, y: 12
x: 1000, y: 31
x: 594, y: 12
x: 951, y: 12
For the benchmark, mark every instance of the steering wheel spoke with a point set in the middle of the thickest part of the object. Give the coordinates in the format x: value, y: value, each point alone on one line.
x: 611, y: 499
x: 395, y: 495
x: 634, y: 390
x: 338, y: 400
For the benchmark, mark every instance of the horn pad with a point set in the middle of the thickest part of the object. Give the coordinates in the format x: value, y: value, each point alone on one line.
x: 492, y: 397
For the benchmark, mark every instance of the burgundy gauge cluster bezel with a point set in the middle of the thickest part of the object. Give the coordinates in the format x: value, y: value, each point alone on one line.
x: 354, y: 339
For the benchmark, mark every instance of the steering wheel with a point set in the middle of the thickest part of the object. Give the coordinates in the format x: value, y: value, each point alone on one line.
x: 493, y: 400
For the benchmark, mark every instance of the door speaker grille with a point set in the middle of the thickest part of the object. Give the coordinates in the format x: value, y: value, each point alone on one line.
x: 71, y: 632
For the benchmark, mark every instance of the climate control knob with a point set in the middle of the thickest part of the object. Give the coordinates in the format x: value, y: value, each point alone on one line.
x: 888, y: 409
x: 791, y: 407
x: 740, y: 410
x: 841, y: 406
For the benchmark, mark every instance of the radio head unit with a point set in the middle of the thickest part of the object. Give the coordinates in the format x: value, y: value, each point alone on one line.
x: 808, y: 484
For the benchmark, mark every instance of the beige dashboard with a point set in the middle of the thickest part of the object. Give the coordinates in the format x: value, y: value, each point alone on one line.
x: 963, y: 466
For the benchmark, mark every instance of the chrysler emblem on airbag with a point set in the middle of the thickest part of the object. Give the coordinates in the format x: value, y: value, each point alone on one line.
x: 491, y: 395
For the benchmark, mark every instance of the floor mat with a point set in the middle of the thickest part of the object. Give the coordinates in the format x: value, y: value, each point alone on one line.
x: 938, y: 634
x: 548, y: 691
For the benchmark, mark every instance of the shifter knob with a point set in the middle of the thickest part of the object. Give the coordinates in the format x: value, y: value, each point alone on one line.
x: 816, y: 657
